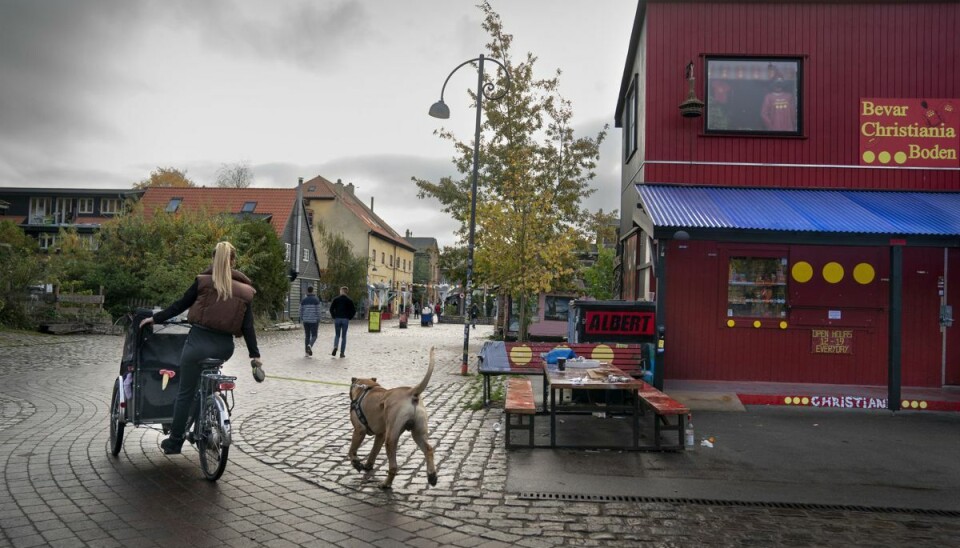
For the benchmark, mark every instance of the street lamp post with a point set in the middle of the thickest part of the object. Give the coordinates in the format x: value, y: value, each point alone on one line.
x: 440, y: 110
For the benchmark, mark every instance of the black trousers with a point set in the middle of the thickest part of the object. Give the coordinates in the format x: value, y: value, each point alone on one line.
x: 201, y: 344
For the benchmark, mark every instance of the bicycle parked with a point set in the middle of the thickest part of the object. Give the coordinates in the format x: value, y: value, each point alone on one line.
x: 146, y: 389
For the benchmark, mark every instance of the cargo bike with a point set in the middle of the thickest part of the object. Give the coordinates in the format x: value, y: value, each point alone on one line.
x: 146, y: 389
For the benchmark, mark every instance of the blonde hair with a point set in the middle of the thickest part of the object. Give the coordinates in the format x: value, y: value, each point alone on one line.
x: 223, y: 256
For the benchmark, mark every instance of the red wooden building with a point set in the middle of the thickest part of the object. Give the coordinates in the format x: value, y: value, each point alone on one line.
x: 791, y: 188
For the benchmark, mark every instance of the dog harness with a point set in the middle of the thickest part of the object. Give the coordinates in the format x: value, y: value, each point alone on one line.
x: 355, y: 406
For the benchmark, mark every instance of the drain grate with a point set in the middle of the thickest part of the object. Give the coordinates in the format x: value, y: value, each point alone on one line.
x: 753, y: 504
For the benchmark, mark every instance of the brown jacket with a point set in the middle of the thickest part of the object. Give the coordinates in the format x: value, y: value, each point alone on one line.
x: 225, y: 316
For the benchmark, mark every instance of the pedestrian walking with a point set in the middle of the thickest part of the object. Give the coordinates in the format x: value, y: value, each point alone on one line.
x: 310, y: 317
x: 474, y: 312
x: 219, y: 301
x: 342, y: 310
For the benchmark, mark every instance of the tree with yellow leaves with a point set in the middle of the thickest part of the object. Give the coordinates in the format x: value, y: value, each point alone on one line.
x: 534, y: 173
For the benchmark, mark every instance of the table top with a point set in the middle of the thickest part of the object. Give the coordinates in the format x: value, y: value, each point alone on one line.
x: 604, y: 377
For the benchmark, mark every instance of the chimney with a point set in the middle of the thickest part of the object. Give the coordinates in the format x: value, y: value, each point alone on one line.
x: 371, y: 203
x: 350, y: 188
x: 339, y: 184
x: 408, y: 234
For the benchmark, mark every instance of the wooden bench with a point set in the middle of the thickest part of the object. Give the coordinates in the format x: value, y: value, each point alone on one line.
x: 519, y: 402
x: 637, y: 360
x: 663, y: 407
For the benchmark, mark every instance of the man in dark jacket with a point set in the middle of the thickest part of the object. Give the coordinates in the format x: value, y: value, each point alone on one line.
x: 310, y: 317
x: 342, y: 311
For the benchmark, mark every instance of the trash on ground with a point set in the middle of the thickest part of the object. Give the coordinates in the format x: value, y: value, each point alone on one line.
x: 706, y: 443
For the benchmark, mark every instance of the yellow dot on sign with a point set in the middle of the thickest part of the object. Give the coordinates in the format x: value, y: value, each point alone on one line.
x: 832, y: 272
x: 602, y: 352
x: 923, y: 405
x: 521, y: 355
x: 731, y: 323
x: 863, y: 273
x: 756, y: 323
x: 788, y: 400
x: 783, y: 325
x: 900, y: 157
x: 914, y: 404
x: 869, y: 157
x: 805, y: 400
x: 796, y: 400
x: 905, y: 403
x: 802, y: 272
x: 884, y: 157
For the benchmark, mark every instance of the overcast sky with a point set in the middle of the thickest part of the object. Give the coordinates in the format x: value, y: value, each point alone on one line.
x: 98, y: 93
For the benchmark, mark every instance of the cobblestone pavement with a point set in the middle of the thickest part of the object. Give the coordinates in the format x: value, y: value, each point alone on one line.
x: 288, y: 482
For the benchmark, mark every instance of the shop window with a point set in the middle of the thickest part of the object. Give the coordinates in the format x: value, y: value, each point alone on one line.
x: 757, y: 287
x: 753, y: 96
x: 556, y: 307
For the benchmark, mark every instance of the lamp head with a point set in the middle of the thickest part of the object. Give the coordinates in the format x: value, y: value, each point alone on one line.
x: 440, y: 110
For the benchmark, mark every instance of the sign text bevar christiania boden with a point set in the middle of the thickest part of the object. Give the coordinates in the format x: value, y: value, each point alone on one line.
x: 618, y: 322
x: 910, y: 132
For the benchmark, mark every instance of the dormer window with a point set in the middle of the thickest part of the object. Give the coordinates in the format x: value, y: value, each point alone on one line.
x: 248, y: 207
x: 174, y: 205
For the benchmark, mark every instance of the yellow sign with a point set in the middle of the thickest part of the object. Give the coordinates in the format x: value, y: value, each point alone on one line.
x: 832, y: 341
x: 374, y: 321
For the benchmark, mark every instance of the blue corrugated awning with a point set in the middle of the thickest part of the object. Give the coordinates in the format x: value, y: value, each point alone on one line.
x: 802, y: 210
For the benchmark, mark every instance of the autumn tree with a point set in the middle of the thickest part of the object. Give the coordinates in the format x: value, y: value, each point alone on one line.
x: 155, y: 261
x: 534, y: 173
x: 164, y: 177
x: 237, y: 175
x: 344, y: 269
x: 20, y: 267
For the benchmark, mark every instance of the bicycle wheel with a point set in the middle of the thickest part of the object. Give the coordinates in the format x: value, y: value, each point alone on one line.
x: 117, y: 421
x: 212, y: 442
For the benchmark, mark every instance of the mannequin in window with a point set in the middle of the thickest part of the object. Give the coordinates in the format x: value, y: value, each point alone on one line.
x: 779, y: 111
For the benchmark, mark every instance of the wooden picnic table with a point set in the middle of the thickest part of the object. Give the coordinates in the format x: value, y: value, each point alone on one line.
x: 604, y: 377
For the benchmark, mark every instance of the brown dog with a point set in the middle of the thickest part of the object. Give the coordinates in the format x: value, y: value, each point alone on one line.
x: 385, y: 414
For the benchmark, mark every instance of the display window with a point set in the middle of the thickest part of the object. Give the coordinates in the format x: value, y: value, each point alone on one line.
x: 753, y: 96
x: 757, y: 287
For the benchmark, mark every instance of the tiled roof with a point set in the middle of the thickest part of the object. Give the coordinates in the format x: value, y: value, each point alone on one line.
x: 325, y: 190
x: 423, y: 243
x: 277, y: 202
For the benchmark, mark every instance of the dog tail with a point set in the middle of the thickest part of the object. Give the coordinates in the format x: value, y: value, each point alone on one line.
x: 417, y: 390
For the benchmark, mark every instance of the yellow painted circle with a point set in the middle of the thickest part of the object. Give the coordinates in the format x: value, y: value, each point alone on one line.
x: 756, y: 323
x: 914, y: 404
x: 923, y: 405
x: 521, y: 355
x: 905, y: 403
x: 832, y: 272
x: 796, y: 400
x: 884, y: 157
x: 602, y: 352
x: 805, y: 400
x: 731, y: 323
x: 863, y: 273
x: 783, y: 325
x: 802, y: 272
x: 788, y: 400
x: 869, y: 157
x: 900, y: 157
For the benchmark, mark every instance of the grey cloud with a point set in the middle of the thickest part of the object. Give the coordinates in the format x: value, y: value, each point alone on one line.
x: 54, y: 58
x: 306, y: 33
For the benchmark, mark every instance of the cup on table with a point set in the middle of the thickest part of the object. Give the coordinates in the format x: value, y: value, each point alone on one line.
x: 561, y: 364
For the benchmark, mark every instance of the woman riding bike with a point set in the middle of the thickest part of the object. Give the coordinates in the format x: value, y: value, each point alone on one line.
x: 220, y: 308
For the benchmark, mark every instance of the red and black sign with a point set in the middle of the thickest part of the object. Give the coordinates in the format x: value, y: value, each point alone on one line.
x: 619, y: 322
